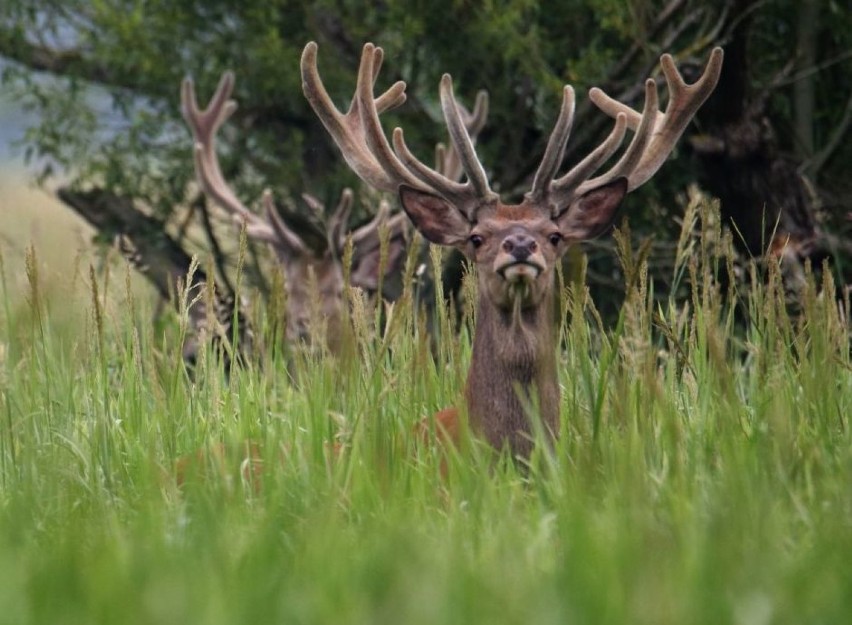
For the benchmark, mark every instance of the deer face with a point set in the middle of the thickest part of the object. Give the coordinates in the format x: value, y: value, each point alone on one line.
x: 314, y: 278
x: 314, y: 290
x: 515, y: 251
x: 515, y: 247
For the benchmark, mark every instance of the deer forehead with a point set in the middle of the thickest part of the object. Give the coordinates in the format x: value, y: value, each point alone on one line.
x: 323, y: 269
x: 509, y: 218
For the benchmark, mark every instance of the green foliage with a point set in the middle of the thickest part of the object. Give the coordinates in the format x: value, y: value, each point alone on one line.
x: 131, y: 138
x: 702, y: 474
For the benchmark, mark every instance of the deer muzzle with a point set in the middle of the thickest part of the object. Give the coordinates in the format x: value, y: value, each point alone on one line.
x: 517, y: 271
x: 519, y: 258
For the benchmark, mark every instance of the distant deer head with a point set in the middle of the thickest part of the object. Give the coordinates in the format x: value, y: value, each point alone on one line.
x: 305, y: 268
x: 514, y: 247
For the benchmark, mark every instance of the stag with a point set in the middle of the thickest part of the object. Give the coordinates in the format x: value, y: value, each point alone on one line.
x: 514, y: 247
x: 305, y: 268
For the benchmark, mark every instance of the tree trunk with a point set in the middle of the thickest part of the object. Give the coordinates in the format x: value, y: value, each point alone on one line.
x: 767, y: 203
x: 803, y: 88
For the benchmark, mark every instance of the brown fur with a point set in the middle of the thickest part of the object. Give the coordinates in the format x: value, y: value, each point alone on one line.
x: 512, y: 370
x: 243, y: 461
x: 229, y: 463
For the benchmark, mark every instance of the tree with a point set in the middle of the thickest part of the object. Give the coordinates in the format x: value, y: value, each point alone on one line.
x: 135, y: 53
x: 757, y: 152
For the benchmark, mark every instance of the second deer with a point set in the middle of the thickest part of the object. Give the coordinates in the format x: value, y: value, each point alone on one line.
x: 304, y: 267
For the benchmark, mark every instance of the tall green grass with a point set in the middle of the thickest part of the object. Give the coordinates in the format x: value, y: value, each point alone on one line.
x: 703, y: 474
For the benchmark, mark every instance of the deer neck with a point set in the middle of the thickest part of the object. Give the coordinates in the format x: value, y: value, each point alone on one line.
x: 513, y: 372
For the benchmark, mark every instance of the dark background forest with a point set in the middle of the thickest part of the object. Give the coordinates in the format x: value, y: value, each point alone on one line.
x: 772, y: 143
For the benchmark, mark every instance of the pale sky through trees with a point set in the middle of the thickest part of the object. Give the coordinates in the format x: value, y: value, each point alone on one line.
x: 13, y: 121
x: 30, y: 214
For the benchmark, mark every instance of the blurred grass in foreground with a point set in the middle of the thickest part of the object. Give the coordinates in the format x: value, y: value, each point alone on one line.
x: 702, y: 476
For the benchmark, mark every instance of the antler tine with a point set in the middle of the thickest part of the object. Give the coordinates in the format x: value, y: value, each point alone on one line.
x: 204, y: 125
x: 365, y: 147
x: 316, y: 207
x: 563, y: 189
x: 555, y: 150
x: 456, y: 192
x: 460, y: 158
x: 461, y: 140
x: 376, y: 141
x: 638, y: 146
x: 684, y: 101
x: 395, y: 224
x: 447, y: 162
x: 576, y: 182
x: 475, y: 120
x: 369, y: 228
x: 393, y: 97
x: 348, y: 130
x: 656, y: 134
x: 339, y: 219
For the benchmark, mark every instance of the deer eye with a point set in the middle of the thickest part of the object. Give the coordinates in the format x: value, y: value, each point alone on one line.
x: 555, y: 238
x: 476, y: 240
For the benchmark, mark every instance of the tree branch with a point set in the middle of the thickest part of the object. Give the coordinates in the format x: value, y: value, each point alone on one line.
x: 813, y: 166
x: 158, y: 257
x: 71, y: 62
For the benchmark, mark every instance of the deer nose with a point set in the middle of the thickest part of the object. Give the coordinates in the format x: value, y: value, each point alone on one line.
x: 521, y: 246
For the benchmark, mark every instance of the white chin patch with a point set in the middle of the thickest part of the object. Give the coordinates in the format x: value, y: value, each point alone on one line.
x: 521, y: 271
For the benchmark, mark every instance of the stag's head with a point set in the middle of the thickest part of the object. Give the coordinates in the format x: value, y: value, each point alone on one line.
x: 515, y: 246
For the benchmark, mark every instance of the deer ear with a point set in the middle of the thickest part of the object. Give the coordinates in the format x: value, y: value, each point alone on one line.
x: 366, y: 262
x: 436, y: 219
x: 593, y: 213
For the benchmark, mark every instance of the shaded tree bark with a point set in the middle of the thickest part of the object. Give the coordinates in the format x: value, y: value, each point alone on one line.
x: 765, y: 200
x: 143, y: 241
x: 803, y: 88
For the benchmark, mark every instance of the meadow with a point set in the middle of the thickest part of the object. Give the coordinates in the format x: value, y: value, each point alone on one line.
x: 703, y: 473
